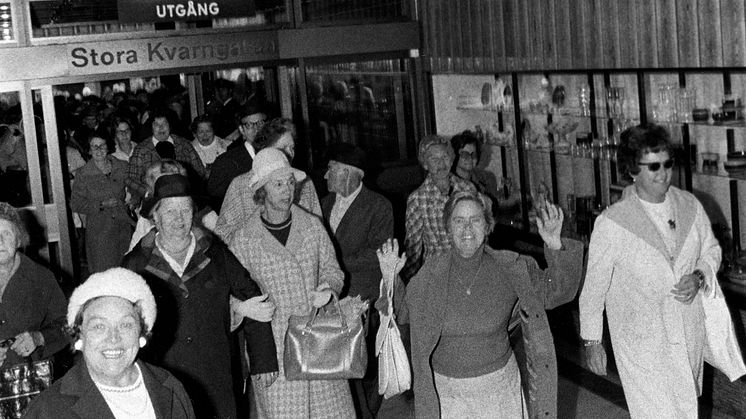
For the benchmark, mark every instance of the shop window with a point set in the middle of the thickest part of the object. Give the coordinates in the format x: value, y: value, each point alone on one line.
x: 368, y: 104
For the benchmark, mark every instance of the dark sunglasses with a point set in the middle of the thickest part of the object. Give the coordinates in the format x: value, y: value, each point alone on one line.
x: 655, y: 166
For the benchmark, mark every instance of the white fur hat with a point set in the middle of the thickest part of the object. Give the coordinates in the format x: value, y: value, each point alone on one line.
x: 114, y: 282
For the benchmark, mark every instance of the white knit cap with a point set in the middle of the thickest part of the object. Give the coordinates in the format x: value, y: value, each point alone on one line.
x: 114, y: 282
x: 268, y: 162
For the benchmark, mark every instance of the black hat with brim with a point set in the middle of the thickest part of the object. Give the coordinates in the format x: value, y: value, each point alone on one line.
x: 167, y: 186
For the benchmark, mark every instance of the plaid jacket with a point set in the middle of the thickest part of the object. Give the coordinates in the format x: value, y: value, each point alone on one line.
x: 426, y: 232
x: 144, y: 155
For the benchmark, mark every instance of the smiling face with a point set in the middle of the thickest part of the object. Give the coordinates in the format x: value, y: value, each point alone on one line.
x: 110, y: 335
x: 173, y: 218
x: 438, y: 162
x: 652, y: 185
x: 161, y: 128
x: 468, y: 227
x: 8, y: 242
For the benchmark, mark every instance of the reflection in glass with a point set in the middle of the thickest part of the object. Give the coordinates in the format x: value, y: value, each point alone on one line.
x: 367, y: 104
x: 6, y: 22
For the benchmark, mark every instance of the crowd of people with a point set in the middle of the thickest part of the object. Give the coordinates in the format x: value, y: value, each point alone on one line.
x: 201, y: 250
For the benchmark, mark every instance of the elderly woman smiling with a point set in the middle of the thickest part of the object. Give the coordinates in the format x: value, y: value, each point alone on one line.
x: 460, y: 306
x: 112, y: 315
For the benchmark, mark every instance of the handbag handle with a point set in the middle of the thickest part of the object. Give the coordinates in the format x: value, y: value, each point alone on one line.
x: 315, y: 312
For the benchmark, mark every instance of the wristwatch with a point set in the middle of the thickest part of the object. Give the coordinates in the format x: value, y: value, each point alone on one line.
x: 700, y: 277
x: 587, y: 343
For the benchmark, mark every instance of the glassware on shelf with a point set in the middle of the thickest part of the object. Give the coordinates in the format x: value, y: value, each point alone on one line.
x: 665, y: 109
x: 685, y: 104
x: 584, y: 100
x: 710, y: 163
x: 615, y: 101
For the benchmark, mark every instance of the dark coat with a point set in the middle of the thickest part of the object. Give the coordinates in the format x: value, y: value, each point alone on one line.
x: 75, y: 396
x: 368, y: 222
x: 234, y: 162
x: 33, y: 301
x: 191, y: 333
x: 537, y: 291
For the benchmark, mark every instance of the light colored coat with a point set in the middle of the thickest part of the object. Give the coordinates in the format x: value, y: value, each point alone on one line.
x: 658, y: 342
x: 287, y: 273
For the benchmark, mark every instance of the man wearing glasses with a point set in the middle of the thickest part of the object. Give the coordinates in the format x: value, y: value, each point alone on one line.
x: 239, y: 157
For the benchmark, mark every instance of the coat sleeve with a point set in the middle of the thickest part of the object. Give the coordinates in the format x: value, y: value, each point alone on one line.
x: 710, y: 254
x: 329, y: 271
x: 135, y: 171
x: 381, y: 228
x: 260, y: 342
x: 413, y: 245
x: 52, y: 327
x: 601, y: 260
x: 80, y: 199
x: 558, y: 283
x: 231, y: 210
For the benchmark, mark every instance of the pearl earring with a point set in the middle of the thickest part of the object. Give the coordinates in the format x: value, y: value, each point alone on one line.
x: 78, y: 345
x: 143, y: 341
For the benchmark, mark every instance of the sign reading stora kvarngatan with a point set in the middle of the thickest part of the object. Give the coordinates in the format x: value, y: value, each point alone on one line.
x: 137, y: 11
x: 171, y: 52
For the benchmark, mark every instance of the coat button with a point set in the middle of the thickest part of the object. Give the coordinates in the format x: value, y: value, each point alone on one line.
x: 189, y: 339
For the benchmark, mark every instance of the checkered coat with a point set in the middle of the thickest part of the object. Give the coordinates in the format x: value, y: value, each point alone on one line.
x: 287, y: 273
x: 238, y: 204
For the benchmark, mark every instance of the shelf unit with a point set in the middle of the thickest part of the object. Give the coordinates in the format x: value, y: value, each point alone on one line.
x: 590, y: 172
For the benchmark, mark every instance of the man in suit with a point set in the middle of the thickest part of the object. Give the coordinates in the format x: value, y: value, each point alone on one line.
x: 239, y: 157
x: 360, y: 221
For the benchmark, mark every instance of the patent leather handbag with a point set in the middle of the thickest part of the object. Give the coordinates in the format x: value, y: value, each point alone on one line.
x: 325, y: 345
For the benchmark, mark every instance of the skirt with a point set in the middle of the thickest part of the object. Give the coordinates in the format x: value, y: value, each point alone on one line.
x: 494, y: 395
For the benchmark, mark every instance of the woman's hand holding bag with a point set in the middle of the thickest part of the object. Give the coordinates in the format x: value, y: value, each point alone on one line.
x: 394, y: 373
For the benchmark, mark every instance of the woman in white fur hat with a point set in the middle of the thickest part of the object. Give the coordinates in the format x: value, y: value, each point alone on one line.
x: 111, y: 316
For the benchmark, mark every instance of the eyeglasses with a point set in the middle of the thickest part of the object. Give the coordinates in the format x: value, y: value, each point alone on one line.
x: 655, y: 166
x: 467, y: 155
x: 253, y: 124
x: 98, y: 147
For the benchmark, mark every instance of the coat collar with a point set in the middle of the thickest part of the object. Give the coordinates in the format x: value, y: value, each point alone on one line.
x: 630, y: 215
x: 348, y: 219
x: 91, y: 404
x: 158, y: 266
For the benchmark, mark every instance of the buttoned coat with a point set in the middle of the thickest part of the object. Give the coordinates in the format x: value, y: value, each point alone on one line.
x: 75, y: 396
x: 191, y: 333
x: 287, y: 273
x: 239, y: 204
x: 658, y: 341
x: 368, y: 222
x: 108, y: 230
x: 537, y: 290
x: 229, y: 165
x: 33, y: 301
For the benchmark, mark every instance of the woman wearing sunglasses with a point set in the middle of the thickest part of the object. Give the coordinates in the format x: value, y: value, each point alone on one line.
x: 652, y: 263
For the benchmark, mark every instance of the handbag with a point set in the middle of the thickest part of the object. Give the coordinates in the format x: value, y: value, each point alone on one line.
x: 721, y: 346
x: 21, y: 383
x: 325, y: 346
x: 394, y: 373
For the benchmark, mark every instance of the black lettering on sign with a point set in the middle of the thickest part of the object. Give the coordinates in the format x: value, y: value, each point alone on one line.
x: 83, y: 57
x: 79, y: 58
